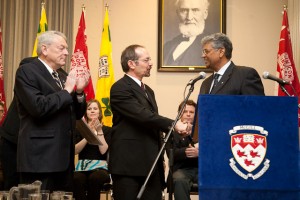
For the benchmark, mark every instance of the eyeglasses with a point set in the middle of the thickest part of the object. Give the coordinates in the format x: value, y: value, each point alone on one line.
x: 207, y: 51
x: 147, y: 60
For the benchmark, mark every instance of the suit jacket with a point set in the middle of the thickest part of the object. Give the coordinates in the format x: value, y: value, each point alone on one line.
x: 179, y: 145
x: 47, y: 120
x: 190, y: 57
x: 10, y: 127
x: 136, y: 140
x: 11, y: 124
x: 237, y: 80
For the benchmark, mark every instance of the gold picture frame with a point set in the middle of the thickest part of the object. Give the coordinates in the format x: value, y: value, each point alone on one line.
x: 169, y: 33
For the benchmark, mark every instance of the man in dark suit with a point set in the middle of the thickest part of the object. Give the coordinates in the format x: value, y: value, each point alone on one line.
x: 227, y: 79
x: 180, y: 51
x: 48, y: 108
x: 136, y: 137
x: 8, y: 142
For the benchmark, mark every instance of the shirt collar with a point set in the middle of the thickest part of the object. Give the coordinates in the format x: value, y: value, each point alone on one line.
x: 47, y: 66
x: 135, y: 79
x: 224, y: 68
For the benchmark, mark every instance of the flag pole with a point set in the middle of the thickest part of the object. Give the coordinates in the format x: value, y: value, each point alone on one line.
x: 83, y: 7
x: 106, y: 7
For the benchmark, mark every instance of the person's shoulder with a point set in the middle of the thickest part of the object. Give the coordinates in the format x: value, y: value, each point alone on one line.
x: 27, y: 60
x: 119, y: 83
x: 244, y: 68
x: 245, y: 71
x: 30, y: 66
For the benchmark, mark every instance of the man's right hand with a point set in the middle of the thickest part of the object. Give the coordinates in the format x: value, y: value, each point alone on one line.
x: 71, y: 81
x: 183, y: 129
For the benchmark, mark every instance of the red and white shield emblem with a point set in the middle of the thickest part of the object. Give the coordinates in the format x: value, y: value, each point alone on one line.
x: 249, y: 150
x: 249, y: 147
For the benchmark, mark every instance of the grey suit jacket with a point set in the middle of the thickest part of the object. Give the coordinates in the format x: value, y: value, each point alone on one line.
x: 237, y: 80
x: 47, y: 120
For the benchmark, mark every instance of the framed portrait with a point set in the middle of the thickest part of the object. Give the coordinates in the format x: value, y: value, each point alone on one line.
x: 182, y: 25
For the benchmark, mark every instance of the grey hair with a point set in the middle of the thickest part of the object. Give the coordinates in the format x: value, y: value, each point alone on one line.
x: 47, y: 38
x: 219, y: 40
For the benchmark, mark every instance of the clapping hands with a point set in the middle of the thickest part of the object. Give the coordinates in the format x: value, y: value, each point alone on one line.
x: 96, y: 125
x: 78, y: 77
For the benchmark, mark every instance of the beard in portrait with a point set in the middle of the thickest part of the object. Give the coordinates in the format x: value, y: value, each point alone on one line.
x: 185, y: 48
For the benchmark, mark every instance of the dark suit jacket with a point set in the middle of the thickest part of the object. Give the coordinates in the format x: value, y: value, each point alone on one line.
x: 190, y: 57
x: 179, y: 145
x: 136, y: 140
x: 237, y: 80
x: 47, y: 120
x: 11, y: 124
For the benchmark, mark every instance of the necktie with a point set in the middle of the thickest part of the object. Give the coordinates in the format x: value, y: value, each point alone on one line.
x: 56, y: 78
x: 143, y: 88
x: 216, y: 80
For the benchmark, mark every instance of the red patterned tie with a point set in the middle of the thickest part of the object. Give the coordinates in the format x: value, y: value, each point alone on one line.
x: 144, y: 89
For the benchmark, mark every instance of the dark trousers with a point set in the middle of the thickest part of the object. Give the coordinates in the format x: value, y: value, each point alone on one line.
x: 182, y: 182
x: 8, y: 154
x: 87, y: 184
x: 53, y: 181
x: 128, y: 187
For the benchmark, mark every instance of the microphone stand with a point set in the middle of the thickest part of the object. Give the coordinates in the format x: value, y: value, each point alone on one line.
x: 287, y: 93
x: 284, y: 90
x: 164, y: 144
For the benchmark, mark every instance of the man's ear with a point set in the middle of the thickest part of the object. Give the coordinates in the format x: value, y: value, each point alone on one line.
x: 222, y: 52
x: 131, y: 64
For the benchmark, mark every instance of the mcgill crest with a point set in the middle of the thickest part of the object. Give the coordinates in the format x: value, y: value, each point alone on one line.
x: 249, y: 147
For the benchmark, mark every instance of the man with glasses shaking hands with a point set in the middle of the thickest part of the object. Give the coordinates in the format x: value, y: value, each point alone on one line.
x: 136, y: 130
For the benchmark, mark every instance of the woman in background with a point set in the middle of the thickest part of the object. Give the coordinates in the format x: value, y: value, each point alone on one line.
x: 91, y: 170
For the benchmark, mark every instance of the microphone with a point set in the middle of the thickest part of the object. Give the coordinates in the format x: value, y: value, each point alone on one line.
x: 267, y: 75
x: 202, y: 75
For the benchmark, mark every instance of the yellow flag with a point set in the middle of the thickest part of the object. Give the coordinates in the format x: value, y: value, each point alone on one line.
x: 43, y: 26
x: 105, y: 73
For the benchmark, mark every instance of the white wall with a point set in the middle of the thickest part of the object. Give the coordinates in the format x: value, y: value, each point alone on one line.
x: 253, y: 26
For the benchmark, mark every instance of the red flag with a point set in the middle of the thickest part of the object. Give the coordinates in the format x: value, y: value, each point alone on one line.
x: 79, y: 58
x: 2, y: 94
x: 285, y: 62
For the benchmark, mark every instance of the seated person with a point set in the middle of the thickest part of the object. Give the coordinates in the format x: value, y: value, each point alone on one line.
x: 91, y: 170
x: 185, y: 166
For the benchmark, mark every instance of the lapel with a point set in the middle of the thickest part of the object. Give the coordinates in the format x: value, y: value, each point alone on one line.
x: 150, y: 99
x: 226, y: 76
x: 47, y: 76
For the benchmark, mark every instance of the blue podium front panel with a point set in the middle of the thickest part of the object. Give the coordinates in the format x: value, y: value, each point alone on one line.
x: 248, y: 148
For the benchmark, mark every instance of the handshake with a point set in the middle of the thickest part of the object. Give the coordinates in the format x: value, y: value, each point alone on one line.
x: 78, y: 78
x: 183, y: 128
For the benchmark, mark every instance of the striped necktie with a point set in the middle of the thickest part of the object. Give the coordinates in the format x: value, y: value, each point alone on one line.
x: 144, y: 89
x: 56, y: 78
